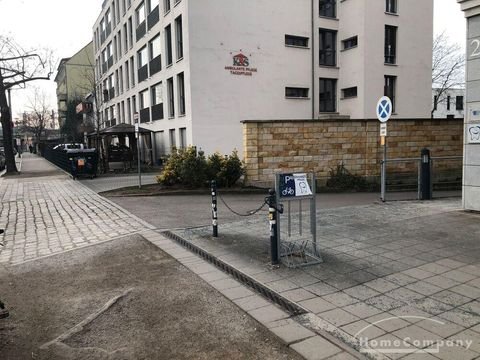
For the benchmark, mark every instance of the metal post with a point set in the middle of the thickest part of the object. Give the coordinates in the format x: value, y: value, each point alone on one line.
x: 272, y: 216
x: 384, y: 170
x: 137, y: 132
x: 313, y: 212
x: 426, y: 182
x: 419, y: 184
x: 214, y: 208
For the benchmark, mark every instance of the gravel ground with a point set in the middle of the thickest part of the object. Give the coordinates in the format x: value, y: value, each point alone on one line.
x: 162, y: 310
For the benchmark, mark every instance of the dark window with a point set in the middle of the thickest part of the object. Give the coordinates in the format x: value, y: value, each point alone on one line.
x: 389, y: 89
x: 168, y: 44
x: 171, y: 100
x: 155, y: 56
x: 157, y: 101
x: 153, y: 14
x: 291, y: 40
x: 391, y: 6
x: 327, y: 8
x: 166, y: 6
x: 448, y: 102
x: 179, y: 36
x: 390, y: 44
x: 181, y: 93
x: 459, y: 103
x: 350, y: 42
x: 294, y: 92
x: 435, y: 102
x: 328, y: 47
x: 328, y: 95
x: 349, y: 92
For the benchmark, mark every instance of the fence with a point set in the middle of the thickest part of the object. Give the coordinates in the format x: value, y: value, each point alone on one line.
x: 77, y: 162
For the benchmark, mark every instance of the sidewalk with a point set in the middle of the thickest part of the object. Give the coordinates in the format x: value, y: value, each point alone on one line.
x: 402, y: 271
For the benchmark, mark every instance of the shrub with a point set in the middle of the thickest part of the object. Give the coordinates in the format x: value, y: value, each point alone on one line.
x: 191, y: 169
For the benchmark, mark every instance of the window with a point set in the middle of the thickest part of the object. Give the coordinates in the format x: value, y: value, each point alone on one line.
x: 328, y: 47
x: 328, y: 8
x: 144, y: 106
x: 123, y: 112
x: 171, y: 134
x: 171, y: 104
x: 349, y: 92
x: 130, y: 31
x: 111, y: 87
x: 390, y: 44
x: 435, y: 102
x: 299, y: 41
x: 129, y: 111
x: 127, y: 75
x: 132, y: 70
x: 125, y: 38
x: 166, y: 6
x: 183, y: 138
x: 294, y: 92
x: 120, y: 82
x: 142, y: 64
x: 154, y: 48
x: 448, y: 103
x: 156, y: 95
x: 168, y: 44
x: 124, y: 7
x: 181, y: 93
x: 391, y: 6
x: 328, y: 95
x: 350, y: 43
x: 459, y: 103
x: 389, y: 89
x: 179, y: 36
x: 140, y: 14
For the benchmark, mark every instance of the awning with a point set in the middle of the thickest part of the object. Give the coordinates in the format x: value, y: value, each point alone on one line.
x: 120, y: 129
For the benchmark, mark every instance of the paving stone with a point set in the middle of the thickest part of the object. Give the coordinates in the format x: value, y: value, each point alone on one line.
x: 387, y: 322
x: 423, y: 288
x: 450, y: 263
x: 292, y: 333
x: 435, y: 268
x: 459, y: 276
x: 453, y: 353
x: 442, y: 282
x: 381, y: 285
x: 461, y: 317
x: 451, y: 298
x: 418, y: 273
x: 441, y: 327
x: 400, y: 279
x: 384, y: 302
x: 404, y: 294
x: 298, y: 295
x: 414, y: 333
x: 237, y: 292
x: 338, y: 317
x: 316, y: 348
x: 321, y: 289
x: 364, y: 329
x: 281, y: 285
x: 466, y: 290
x: 317, y: 305
x: 362, y: 310
x: 268, y: 314
x: 361, y: 292
x: 251, y: 302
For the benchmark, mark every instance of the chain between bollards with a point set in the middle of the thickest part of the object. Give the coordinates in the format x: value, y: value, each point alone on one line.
x: 213, y: 189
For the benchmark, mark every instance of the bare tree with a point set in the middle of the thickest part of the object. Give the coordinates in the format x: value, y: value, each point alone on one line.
x: 18, y: 67
x: 41, y: 113
x: 448, y: 68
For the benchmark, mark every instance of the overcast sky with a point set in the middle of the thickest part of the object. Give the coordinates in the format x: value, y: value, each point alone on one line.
x: 65, y: 26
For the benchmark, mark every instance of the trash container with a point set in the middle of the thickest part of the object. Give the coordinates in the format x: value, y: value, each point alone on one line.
x: 83, y: 162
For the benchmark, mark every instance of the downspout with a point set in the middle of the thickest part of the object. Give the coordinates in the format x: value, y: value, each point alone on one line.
x: 313, y: 59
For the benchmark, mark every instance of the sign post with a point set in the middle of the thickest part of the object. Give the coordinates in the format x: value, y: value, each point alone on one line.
x: 384, y: 112
x: 136, y: 119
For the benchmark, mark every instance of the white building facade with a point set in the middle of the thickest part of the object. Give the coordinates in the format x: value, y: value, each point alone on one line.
x: 194, y: 69
x: 450, y: 104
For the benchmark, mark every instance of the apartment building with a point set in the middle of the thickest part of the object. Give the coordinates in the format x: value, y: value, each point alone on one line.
x: 448, y: 104
x: 192, y: 70
x: 74, y: 78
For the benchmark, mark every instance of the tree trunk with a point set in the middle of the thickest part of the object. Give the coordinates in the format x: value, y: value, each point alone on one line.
x: 7, y: 131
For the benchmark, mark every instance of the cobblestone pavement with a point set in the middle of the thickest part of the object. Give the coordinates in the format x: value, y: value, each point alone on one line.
x: 402, y: 271
x: 49, y: 214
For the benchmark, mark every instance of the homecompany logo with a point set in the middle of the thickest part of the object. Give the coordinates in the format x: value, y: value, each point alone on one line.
x: 407, y: 345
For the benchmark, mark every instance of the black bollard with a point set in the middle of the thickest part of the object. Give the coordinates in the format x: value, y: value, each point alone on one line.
x: 272, y: 216
x: 214, y: 208
x: 425, y: 176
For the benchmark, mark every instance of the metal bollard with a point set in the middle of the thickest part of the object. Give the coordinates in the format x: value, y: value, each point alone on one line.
x: 425, y: 181
x: 272, y: 216
x: 213, y: 189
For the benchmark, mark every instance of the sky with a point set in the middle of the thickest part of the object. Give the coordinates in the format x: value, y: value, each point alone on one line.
x: 65, y: 26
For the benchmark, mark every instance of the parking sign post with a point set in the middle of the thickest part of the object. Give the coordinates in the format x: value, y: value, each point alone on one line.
x: 137, y: 136
x: 384, y: 112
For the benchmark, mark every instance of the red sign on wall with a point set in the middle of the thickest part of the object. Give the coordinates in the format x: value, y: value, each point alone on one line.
x: 240, y: 66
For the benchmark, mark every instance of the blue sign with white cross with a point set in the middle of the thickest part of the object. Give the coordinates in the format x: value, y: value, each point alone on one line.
x: 384, y: 109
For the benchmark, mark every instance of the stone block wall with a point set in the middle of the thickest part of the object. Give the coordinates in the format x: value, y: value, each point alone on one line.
x: 320, y: 145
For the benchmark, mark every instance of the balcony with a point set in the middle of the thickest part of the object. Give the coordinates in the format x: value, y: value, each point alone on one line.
x: 145, y: 115
x: 157, y: 112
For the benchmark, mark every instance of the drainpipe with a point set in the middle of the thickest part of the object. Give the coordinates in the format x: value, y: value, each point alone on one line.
x: 313, y: 59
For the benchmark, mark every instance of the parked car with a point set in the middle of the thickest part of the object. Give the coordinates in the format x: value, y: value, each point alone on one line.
x: 69, y: 147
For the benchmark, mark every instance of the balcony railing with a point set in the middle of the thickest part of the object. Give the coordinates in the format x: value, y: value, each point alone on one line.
x: 153, y: 17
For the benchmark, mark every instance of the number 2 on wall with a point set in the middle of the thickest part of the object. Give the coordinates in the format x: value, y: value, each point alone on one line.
x: 476, y: 44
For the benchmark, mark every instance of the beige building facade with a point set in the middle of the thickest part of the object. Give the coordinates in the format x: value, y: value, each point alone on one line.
x: 75, y: 79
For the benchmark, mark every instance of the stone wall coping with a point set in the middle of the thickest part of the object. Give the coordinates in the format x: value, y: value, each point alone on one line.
x: 342, y: 119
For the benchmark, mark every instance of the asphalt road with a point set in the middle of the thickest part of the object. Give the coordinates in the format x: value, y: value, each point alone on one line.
x: 158, y: 310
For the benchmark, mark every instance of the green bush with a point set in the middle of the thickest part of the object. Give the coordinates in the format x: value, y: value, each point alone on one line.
x: 191, y: 169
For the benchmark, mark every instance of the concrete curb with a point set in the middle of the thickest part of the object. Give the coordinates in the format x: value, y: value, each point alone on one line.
x: 303, y: 340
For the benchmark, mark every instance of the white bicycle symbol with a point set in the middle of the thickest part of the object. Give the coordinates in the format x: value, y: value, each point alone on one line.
x: 288, y: 191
